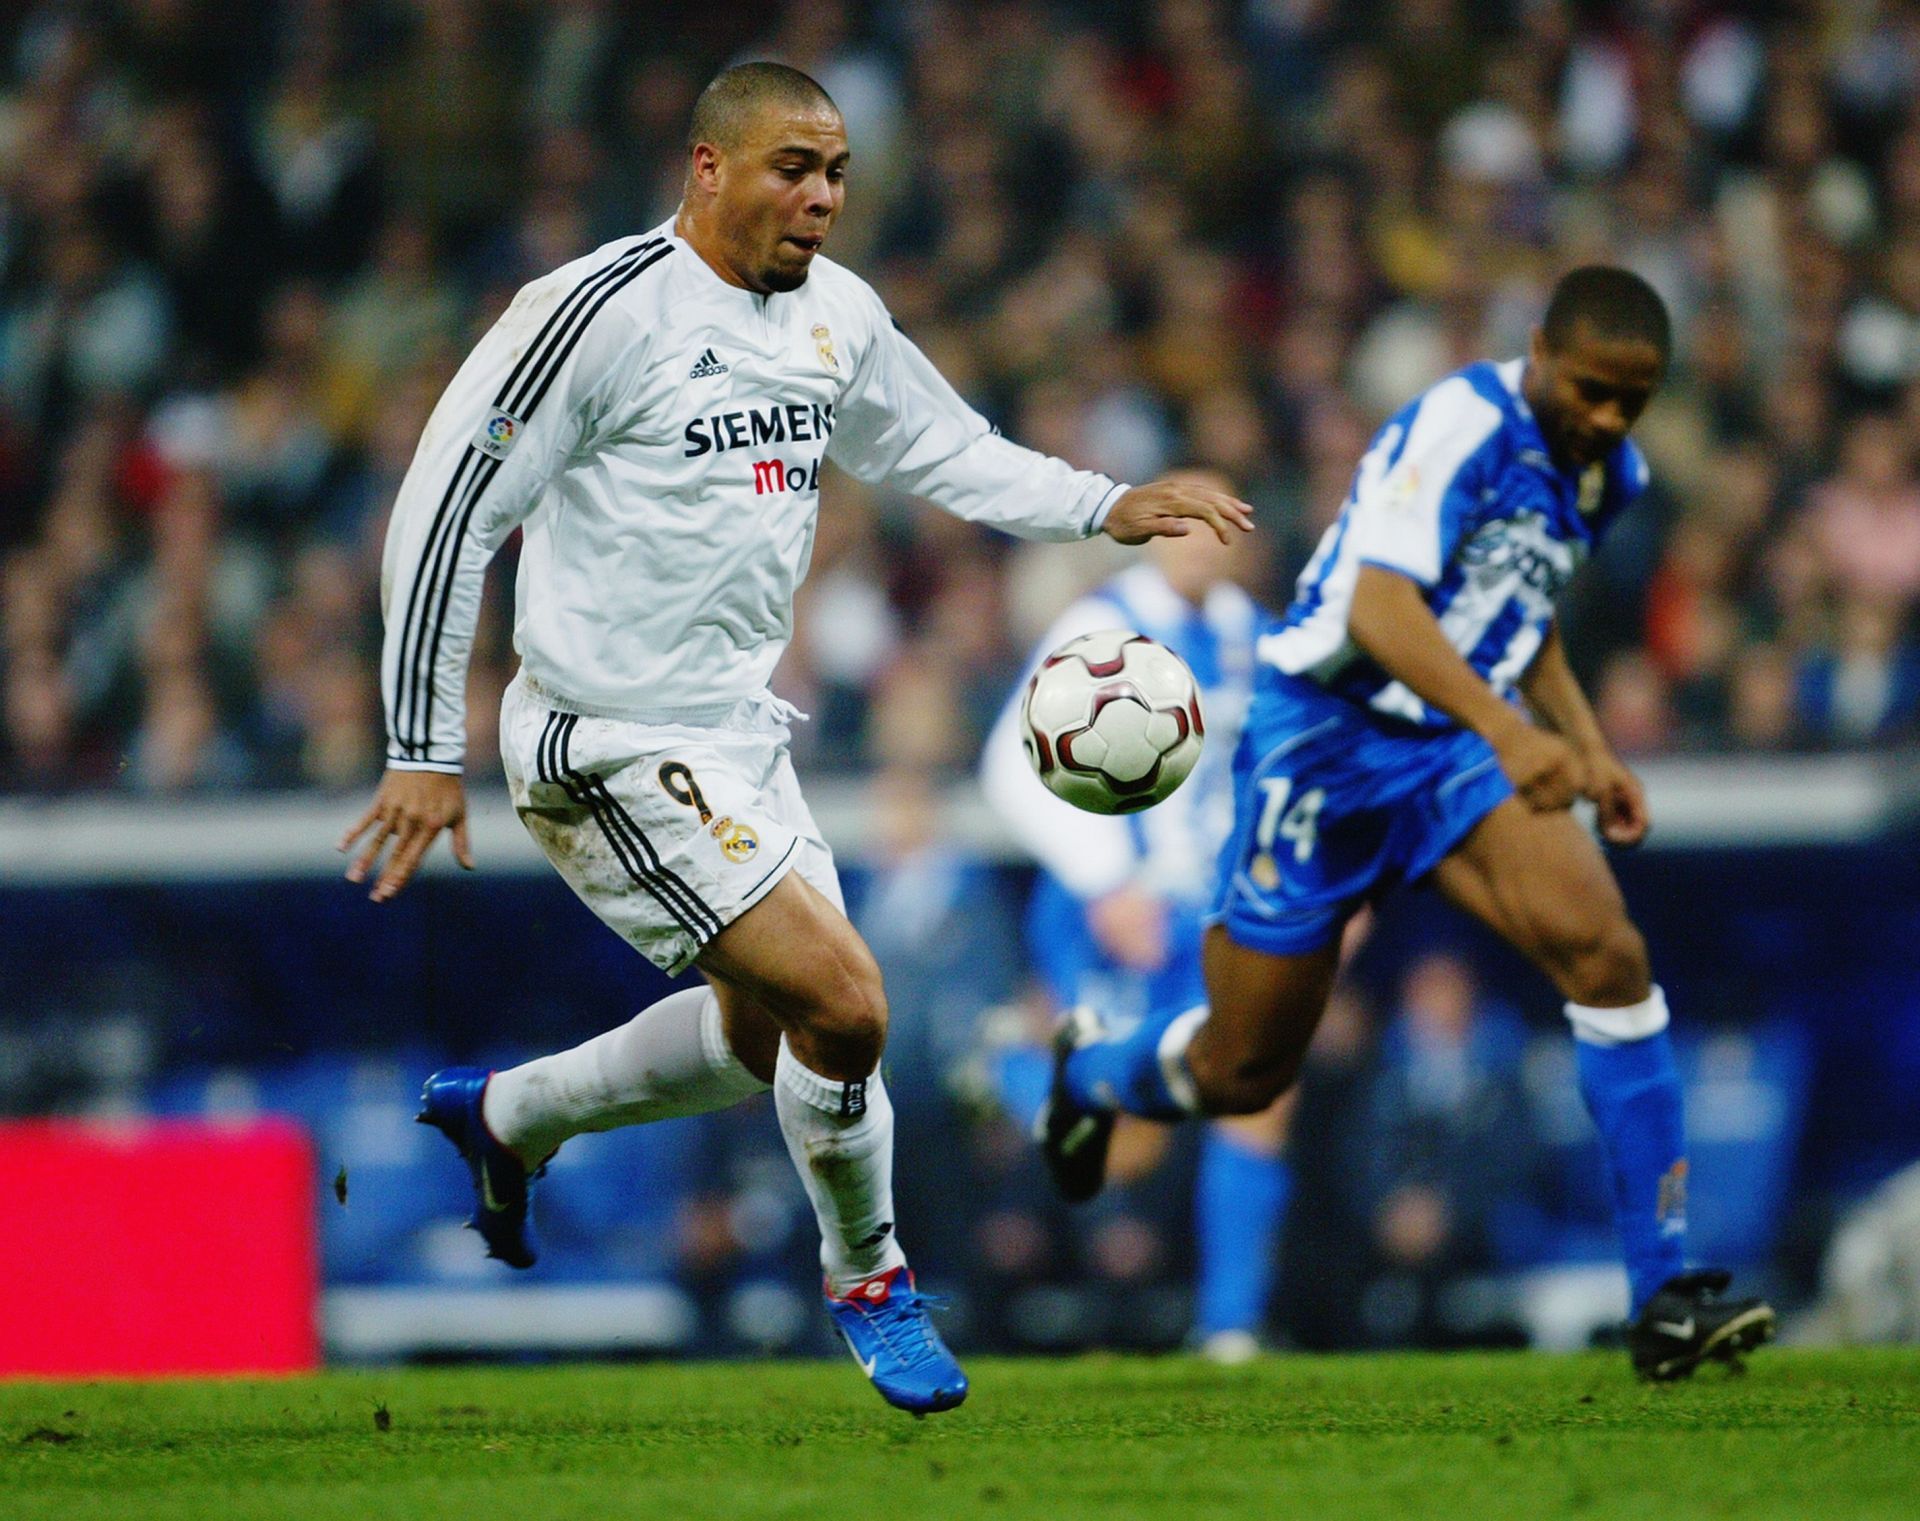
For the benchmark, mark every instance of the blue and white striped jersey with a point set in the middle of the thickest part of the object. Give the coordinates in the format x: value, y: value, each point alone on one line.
x: 1459, y: 493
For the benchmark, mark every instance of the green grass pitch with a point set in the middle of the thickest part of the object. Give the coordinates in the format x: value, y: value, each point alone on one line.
x: 1802, y: 1435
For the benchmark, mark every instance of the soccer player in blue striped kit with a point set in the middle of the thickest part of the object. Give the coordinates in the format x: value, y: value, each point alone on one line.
x: 1415, y: 718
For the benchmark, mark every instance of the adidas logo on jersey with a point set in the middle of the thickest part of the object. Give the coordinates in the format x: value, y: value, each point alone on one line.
x: 708, y: 364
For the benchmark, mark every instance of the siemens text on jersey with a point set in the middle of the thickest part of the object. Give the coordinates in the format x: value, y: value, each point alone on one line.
x: 793, y: 422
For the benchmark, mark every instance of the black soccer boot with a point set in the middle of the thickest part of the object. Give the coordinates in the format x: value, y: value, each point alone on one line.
x: 1072, y: 1139
x: 1688, y: 1322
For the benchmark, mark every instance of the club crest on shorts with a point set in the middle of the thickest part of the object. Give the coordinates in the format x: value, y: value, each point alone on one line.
x: 823, y: 341
x: 1265, y: 872
x: 498, y: 434
x: 737, y: 842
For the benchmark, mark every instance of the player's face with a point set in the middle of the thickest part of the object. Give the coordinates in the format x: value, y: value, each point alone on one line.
x: 776, y: 194
x: 1587, y: 394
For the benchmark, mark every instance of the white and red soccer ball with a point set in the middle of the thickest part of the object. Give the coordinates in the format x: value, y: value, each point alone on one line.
x: 1112, y: 721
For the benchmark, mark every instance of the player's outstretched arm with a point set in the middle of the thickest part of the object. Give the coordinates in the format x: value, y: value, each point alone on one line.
x: 408, y: 812
x: 1171, y: 508
x: 1553, y: 692
x: 1392, y: 624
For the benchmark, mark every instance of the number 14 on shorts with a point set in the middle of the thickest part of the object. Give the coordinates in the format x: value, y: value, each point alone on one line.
x: 1285, y: 817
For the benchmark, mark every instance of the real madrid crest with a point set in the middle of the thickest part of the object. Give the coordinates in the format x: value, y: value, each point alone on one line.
x: 823, y: 341
x: 738, y: 842
x: 1593, y: 484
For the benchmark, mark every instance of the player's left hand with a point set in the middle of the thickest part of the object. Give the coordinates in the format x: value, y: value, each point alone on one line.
x: 1620, y: 800
x: 1171, y: 507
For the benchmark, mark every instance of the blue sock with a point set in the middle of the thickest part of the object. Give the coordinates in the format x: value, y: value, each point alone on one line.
x: 1238, y: 1207
x: 1132, y: 1073
x: 1633, y: 1093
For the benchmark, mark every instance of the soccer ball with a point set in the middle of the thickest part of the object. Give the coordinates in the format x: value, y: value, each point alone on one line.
x: 1112, y: 721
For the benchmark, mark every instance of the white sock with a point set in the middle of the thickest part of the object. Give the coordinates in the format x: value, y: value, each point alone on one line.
x: 670, y: 1059
x: 1616, y: 1027
x: 840, y: 1136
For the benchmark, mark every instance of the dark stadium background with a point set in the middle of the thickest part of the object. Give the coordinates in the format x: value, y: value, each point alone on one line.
x: 242, y: 248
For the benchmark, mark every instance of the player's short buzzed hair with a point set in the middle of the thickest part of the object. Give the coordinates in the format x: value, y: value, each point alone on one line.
x: 1615, y: 303
x: 740, y: 93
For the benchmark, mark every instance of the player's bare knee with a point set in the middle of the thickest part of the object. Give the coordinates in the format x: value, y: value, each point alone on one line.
x: 1607, y: 968
x: 845, y: 1015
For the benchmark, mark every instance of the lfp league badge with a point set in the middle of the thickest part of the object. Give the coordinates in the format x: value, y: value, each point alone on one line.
x: 498, y: 433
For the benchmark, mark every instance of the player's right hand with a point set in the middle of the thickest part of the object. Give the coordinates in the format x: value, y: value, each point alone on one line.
x: 1545, y: 770
x: 410, y: 809
x: 1172, y: 507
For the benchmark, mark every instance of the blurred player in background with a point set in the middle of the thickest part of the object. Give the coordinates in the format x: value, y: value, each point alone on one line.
x: 1114, y: 924
x: 1389, y: 742
x: 655, y: 417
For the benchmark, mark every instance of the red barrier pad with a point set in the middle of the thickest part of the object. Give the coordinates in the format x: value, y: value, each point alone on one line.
x: 167, y: 1247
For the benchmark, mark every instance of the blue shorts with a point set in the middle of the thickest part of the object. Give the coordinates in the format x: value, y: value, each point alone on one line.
x: 1333, y: 805
x: 1077, y: 970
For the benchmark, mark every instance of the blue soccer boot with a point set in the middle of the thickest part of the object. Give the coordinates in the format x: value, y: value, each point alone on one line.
x: 885, y: 1325
x: 502, y: 1185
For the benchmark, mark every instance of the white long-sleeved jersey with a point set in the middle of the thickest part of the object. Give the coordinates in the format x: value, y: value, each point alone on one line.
x: 659, y: 433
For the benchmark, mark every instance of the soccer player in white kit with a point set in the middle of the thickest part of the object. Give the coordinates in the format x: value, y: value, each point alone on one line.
x: 654, y: 418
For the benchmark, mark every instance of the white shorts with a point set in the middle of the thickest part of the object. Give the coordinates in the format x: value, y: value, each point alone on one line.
x: 668, y: 831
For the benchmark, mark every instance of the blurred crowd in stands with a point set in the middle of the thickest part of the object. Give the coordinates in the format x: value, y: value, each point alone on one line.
x: 242, y: 248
